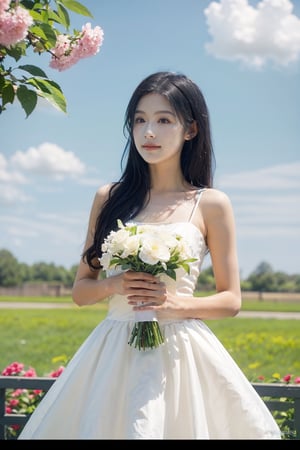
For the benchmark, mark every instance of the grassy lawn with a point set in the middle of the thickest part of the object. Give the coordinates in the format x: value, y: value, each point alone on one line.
x: 247, y: 305
x: 47, y: 338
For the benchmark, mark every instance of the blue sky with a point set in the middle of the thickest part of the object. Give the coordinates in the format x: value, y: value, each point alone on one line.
x: 244, y: 55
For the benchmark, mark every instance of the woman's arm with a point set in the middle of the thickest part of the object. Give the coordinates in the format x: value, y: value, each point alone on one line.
x: 219, y: 222
x: 88, y: 287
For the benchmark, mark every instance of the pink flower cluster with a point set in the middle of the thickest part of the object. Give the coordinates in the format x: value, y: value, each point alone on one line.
x: 16, y: 368
x: 69, y: 50
x: 23, y: 400
x: 286, y: 378
x: 14, y: 23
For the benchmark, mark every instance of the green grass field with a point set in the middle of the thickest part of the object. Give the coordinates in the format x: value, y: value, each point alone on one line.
x: 47, y: 338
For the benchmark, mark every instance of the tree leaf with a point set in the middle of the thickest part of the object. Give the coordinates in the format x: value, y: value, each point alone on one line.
x: 51, y: 91
x: 17, y: 51
x: 64, y: 16
x: 57, y: 100
x: 8, y: 93
x: 60, y: 16
x: 27, y: 98
x: 45, y: 33
x: 76, y: 7
x: 34, y: 70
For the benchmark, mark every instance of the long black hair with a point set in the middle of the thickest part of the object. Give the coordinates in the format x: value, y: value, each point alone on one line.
x: 130, y: 194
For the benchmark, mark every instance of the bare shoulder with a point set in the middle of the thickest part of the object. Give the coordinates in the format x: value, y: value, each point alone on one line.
x: 215, y: 203
x: 215, y: 197
x: 101, y: 195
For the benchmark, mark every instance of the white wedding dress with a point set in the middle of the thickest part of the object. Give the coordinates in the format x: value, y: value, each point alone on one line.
x: 187, y: 388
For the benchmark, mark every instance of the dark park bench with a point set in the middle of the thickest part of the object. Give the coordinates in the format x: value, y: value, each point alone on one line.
x: 283, y: 400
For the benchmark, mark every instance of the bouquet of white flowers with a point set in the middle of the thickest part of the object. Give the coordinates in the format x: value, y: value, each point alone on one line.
x: 151, y: 249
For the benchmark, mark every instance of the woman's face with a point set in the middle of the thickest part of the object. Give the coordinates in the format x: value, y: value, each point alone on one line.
x: 157, y: 131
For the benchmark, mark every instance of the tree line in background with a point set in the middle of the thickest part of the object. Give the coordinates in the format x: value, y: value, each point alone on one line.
x: 13, y: 274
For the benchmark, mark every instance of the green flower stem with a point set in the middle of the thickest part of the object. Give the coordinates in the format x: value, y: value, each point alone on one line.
x: 146, y: 335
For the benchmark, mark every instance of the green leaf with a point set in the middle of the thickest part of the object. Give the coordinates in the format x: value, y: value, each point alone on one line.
x: 29, y: 4
x: 171, y: 273
x: 44, y: 85
x: 27, y: 98
x: 46, y: 33
x: 33, y: 70
x: 51, y: 91
x: 2, y: 81
x: 39, y: 16
x: 61, y: 16
x: 8, y: 93
x: 17, y: 51
x: 76, y: 7
x: 64, y: 16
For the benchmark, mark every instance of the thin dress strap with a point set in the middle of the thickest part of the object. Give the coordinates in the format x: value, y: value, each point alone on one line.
x: 198, y: 197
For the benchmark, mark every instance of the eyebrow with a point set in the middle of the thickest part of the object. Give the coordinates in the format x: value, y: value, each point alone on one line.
x: 139, y: 111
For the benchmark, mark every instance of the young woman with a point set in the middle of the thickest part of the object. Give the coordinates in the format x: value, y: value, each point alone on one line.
x: 188, y: 387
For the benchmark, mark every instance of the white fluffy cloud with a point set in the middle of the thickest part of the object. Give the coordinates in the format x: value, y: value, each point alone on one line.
x: 269, y: 32
x: 48, y: 159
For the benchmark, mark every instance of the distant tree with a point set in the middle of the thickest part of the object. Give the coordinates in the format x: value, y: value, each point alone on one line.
x: 14, y: 273
x: 206, y: 280
x: 25, y: 272
x: 9, y: 273
x: 262, y: 269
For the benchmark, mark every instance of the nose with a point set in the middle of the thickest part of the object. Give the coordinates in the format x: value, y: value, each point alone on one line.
x: 149, y: 133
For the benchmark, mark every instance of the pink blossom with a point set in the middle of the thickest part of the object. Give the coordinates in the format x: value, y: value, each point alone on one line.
x: 89, y: 42
x: 4, y: 5
x: 14, y: 26
x: 68, y: 51
x: 297, y: 380
x: 62, y: 57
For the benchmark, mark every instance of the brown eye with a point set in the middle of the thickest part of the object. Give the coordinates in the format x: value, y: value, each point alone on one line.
x: 139, y: 120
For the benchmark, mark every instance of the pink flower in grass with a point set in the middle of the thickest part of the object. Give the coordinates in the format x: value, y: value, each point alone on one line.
x: 287, y: 378
x: 297, y: 380
x: 14, y: 26
x: 68, y: 50
x: 57, y: 372
x: 30, y: 372
x: 14, y: 368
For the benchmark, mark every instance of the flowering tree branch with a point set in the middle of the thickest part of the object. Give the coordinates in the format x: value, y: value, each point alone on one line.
x: 32, y: 25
